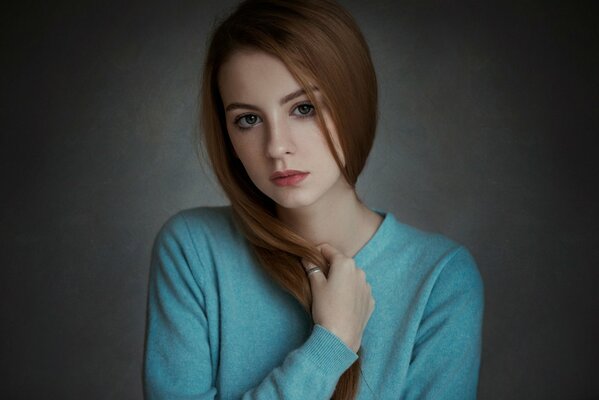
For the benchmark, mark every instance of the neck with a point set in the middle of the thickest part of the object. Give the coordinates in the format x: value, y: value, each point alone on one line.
x: 345, y: 223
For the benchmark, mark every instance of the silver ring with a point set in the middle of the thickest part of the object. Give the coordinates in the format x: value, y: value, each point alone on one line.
x: 312, y: 270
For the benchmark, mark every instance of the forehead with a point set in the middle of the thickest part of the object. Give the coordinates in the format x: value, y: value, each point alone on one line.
x: 254, y: 76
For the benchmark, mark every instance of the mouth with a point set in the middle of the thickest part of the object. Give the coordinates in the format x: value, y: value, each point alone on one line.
x: 288, y: 177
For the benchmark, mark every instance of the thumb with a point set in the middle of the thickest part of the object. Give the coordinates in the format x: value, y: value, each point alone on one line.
x: 315, y: 274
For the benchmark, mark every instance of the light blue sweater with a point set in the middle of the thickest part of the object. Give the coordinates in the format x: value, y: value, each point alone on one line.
x: 219, y: 327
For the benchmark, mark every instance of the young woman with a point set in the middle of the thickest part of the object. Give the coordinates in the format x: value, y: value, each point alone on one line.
x: 274, y: 296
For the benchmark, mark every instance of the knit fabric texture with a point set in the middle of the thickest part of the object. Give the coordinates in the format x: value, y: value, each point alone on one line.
x: 219, y: 327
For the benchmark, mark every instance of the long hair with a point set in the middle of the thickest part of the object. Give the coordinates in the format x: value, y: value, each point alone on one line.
x: 323, y: 48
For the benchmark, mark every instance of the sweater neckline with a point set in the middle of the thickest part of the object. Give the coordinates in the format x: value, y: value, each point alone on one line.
x: 376, y: 242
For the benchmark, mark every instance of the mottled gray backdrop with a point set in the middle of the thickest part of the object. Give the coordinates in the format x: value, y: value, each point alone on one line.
x: 488, y: 115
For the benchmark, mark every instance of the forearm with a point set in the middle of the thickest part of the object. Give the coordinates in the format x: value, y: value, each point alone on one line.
x: 311, y: 371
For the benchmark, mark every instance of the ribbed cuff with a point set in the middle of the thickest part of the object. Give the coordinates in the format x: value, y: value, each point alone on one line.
x: 325, y: 350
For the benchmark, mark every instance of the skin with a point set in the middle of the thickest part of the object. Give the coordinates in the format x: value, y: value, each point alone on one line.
x: 273, y: 127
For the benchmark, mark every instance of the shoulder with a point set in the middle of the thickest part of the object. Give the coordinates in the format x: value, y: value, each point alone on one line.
x: 199, y: 216
x: 434, y: 259
x: 201, y: 221
x: 443, y: 274
x: 458, y: 275
x: 452, y: 276
x: 201, y: 230
x: 197, y: 239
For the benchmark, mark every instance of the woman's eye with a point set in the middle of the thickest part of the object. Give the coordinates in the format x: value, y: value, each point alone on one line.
x: 247, y: 121
x: 304, y: 110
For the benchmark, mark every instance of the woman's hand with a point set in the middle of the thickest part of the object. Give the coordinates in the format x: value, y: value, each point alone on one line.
x: 342, y: 303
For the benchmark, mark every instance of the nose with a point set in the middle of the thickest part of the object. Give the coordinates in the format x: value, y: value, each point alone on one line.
x: 279, y: 140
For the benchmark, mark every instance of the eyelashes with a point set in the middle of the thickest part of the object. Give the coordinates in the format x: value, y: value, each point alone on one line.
x: 249, y: 120
x: 246, y: 121
x: 304, y: 109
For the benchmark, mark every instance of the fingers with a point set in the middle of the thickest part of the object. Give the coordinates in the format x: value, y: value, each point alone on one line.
x: 343, y: 302
x: 315, y: 274
x: 329, y: 252
x: 332, y: 257
x: 337, y: 259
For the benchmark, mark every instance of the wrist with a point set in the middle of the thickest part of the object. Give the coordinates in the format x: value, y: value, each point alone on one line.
x: 349, y: 340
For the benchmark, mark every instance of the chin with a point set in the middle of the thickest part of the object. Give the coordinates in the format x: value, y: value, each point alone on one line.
x: 301, y: 197
x: 292, y: 203
x: 293, y: 200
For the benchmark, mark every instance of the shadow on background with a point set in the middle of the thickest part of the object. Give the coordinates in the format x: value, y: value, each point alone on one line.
x: 487, y: 134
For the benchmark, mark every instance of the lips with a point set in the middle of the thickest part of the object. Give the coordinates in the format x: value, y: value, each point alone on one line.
x: 286, y: 173
x: 288, y: 178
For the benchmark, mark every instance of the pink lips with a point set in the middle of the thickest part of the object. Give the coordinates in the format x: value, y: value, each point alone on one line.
x: 288, y: 177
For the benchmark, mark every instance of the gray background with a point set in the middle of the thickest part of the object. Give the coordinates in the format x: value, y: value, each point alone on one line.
x: 488, y: 115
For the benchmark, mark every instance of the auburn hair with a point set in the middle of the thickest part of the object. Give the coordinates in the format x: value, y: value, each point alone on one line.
x: 322, y: 47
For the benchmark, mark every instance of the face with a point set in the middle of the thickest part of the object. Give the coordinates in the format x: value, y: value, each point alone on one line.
x: 274, y: 131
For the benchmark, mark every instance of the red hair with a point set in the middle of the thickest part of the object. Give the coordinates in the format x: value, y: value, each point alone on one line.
x: 322, y: 46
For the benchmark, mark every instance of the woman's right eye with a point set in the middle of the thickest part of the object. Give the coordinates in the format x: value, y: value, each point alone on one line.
x: 247, y: 121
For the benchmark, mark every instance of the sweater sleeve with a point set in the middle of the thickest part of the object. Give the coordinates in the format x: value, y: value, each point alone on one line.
x: 310, y: 372
x: 177, y: 358
x: 446, y: 355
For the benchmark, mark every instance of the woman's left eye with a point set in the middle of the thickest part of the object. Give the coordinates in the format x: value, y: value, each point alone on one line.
x: 304, y: 110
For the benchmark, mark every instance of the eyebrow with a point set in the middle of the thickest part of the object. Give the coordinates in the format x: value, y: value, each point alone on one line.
x: 283, y: 101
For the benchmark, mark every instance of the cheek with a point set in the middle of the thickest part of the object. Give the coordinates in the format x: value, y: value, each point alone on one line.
x: 234, y: 150
x: 231, y: 141
x: 239, y: 146
x: 247, y: 154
